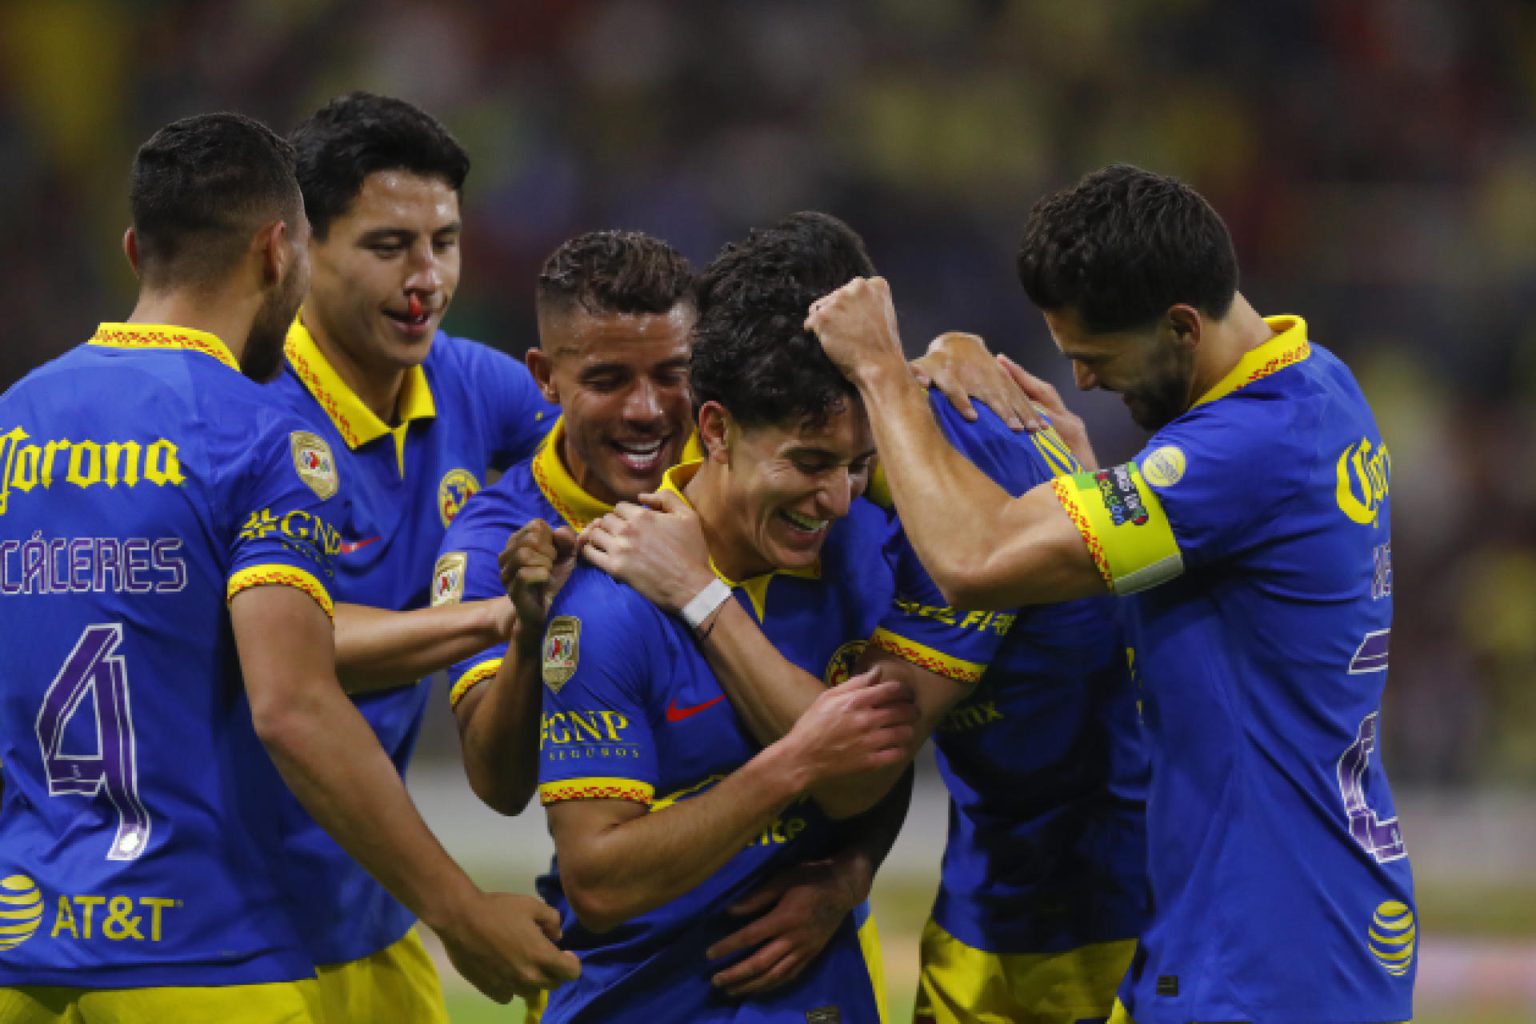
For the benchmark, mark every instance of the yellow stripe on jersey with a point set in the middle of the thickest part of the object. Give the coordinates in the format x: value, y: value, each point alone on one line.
x: 282, y: 575
x: 1124, y: 525
x: 1288, y: 346
x: 926, y: 657
x: 163, y: 336
x: 596, y: 788
x: 472, y: 678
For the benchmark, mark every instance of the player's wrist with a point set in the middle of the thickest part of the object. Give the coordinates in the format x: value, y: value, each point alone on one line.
x: 449, y: 904
x: 700, y: 610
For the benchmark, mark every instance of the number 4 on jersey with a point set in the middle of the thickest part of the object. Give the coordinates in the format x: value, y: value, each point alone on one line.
x: 92, y: 670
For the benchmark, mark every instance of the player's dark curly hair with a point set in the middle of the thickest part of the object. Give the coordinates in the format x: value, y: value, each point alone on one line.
x: 360, y: 133
x: 614, y: 272
x: 751, y: 352
x: 1123, y: 245
x: 198, y: 190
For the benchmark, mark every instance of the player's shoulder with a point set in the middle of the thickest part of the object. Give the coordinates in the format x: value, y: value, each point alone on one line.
x: 510, y: 502
x: 1015, y: 460
x: 616, y: 615
x: 459, y: 361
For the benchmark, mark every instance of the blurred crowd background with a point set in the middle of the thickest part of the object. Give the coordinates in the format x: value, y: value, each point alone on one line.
x: 1376, y: 160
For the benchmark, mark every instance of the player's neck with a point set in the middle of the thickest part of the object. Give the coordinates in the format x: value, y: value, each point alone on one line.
x: 730, y: 552
x: 225, y: 317
x: 1225, y: 342
x: 377, y: 387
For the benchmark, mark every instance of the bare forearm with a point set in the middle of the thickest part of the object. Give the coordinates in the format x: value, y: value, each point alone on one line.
x: 378, y: 649
x: 500, y: 734
x: 866, y: 840
x: 646, y: 861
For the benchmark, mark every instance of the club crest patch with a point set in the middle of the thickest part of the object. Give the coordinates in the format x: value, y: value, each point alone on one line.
x: 840, y: 667
x: 448, y: 578
x: 562, y: 649
x: 313, y: 462
x: 456, y: 487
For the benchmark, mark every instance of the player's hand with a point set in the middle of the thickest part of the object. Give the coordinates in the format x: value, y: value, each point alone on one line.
x: 797, y: 911
x: 960, y: 366
x: 504, y: 945
x: 857, y: 327
x: 1067, y: 423
x: 862, y: 725
x: 534, y: 566
x: 656, y: 547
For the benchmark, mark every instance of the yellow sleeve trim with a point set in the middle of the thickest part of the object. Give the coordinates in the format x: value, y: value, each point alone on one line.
x: 1124, y: 525
x: 472, y: 678
x: 283, y: 575
x: 599, y: 788
x: 926, y: 657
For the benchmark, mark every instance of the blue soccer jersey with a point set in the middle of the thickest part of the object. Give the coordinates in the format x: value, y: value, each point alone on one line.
x: 1254, y: 532
x: 1044, y: 759
x: 466, y: 409
x: 632, y: 711
x: 143, y: 480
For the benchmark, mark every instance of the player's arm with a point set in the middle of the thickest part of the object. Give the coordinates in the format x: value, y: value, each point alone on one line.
x: 797, y: 911
x: 964, y: 371
x: 617, y: 860
x: 982, y: 547
x: 332, y: 761
x: 660, y: 551
x: 499, y: 720
x: 379, y: 649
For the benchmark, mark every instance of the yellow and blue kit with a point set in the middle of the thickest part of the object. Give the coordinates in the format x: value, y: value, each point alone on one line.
x: 466, y: 409
x: 143, y: 481
x: 1045, y: 766
x: 632, y: 711
x: 1253, y: 533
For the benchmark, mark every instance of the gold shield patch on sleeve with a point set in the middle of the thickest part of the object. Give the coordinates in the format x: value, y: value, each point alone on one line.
x: 313, y: 462
x: 562, y: 648
x: 448, y: 578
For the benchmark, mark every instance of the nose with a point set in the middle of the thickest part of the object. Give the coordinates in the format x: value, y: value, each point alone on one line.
x: 1083, y: 377
x: 426, y: 270
x: 642, y: 405
x: 835, y: 494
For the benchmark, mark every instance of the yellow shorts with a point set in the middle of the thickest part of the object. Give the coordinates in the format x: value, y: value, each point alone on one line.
x: 1119, y: 1016
x: 960, y: 984
x: 398, y: 983
x: 283, y: 1002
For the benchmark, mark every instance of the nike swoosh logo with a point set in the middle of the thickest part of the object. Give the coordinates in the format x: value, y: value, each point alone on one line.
x: 677, y: 714
x: 349, y: 546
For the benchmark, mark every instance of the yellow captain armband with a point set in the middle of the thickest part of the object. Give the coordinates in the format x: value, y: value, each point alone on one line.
x: 281, y: 575
x: 472, y: 678
x: 1124, y: 525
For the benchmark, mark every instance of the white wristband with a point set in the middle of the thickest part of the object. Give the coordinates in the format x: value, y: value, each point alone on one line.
x: 704, y: 603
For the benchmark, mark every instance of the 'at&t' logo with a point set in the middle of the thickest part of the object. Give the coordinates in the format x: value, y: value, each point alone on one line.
x: 21, y: 910
x: 1364, y: 477
x: 113, y: 918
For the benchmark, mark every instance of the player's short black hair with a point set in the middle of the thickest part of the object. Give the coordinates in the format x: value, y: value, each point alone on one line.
x: 614, y: 272
x: 361, y: 133
x: 751, y: 352
x: 1123, y: 245
x: 199, y: 188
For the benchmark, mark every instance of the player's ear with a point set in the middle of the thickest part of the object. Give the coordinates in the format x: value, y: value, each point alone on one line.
x: 131, y: 249
x: 542, y: 367
x: 714, y: 424
x: 1183, y: 322
x: 271, y: 248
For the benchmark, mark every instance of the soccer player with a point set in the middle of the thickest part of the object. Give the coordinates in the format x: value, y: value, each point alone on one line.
x: 415, y: 418
x: 1043, y: 888
x: 147, y: 732
x: 1252, y: 538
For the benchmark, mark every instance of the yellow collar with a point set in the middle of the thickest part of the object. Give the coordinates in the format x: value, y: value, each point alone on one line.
x: 357, y: 424
x: 1288, y: 346
x: 164, y: 336
x: 576, y: 506
x: 757, y: 586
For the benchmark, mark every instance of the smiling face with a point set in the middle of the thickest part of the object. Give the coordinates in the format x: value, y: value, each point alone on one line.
x: 385, y: 271
x: 622, y: 383
x: 1153, y: 369
x: 783, y: 485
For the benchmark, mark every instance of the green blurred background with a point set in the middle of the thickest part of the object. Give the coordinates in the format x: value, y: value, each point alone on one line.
x: 1376, y: 160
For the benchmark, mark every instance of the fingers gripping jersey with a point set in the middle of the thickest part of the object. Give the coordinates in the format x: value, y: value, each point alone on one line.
x: 465, y: 410
x: 1260, y: 521
x: 1044, y: 759
x: 143, y: 480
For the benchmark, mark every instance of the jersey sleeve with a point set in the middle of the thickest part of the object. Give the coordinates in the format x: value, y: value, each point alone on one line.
x: 466, y: 570
x: 1204, y: 489
x: 600, y: 661
x: 282, y: 511
x: 519, y: 415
